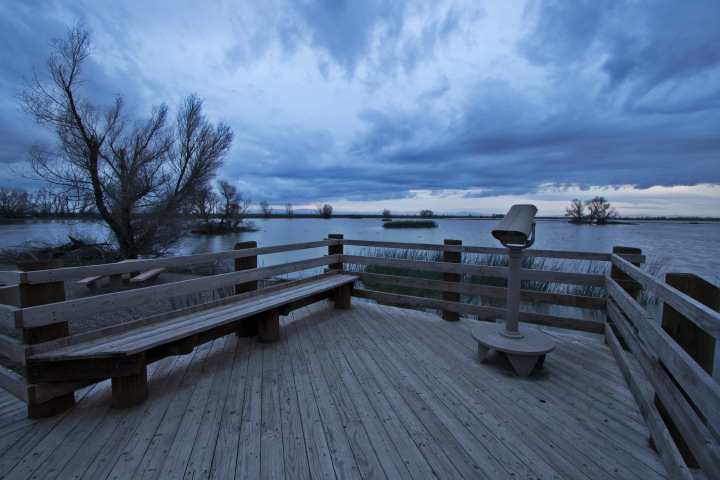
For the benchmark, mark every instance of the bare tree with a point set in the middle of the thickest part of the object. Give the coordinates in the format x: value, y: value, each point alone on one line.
x: 426, y: 213
x: 576, y: 211
x: 324, y: 211
x: 266, y: 208
x: 140, y: 174
x: 205, y: 203
x: 289, y: 209
x: 233, y: 206
x: 44, y: 203
x: 386, y: 213
x: 15, y: 203
x: 600, y: 210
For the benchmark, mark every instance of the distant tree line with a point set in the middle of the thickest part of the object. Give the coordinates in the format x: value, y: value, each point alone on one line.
x: 597, y: 210
x: 18, y: 203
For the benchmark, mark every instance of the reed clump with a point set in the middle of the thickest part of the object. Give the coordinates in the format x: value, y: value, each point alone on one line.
x: 488, y: 260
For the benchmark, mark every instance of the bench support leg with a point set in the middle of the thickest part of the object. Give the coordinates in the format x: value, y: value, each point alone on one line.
x: 132, y: 390
x: 248, y: 327
x: 342, y: 300
x: 269, y: 327
x: 116, y: 283
x: 51, y: 407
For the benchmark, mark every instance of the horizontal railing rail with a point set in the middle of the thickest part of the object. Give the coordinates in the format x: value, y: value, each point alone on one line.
x: 577, y: 301
x: 583, y: 279
x: 693, y: 310
x: 687, y: 393
x: 56, y: 312
x: 570, y: 255
x: 52, y: 318
x: 63, y: 274
x: 393, y: 280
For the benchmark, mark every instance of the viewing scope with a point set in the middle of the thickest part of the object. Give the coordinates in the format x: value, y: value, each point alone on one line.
x: 517, y: 228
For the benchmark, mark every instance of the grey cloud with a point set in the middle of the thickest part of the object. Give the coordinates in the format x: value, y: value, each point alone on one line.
x: 562, y: 32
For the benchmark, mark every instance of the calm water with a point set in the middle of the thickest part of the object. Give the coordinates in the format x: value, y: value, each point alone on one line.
x: 682, y: 247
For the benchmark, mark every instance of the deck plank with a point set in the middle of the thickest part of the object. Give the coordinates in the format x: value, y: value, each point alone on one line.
x: 371, y: 392
x: 189, y: 434
x: 69, y: 446
x: 111, y: 431
x: 341, y: 453
x: 272, y: 465
x: 226, y: 448
x: 294, y: 447
x: 554, y: 413
x: 40, y: 443
x: 159, y: 425
x: 248, y: 455
x: 366, y: 457
x: 203, y: 448
x: 370, y: 416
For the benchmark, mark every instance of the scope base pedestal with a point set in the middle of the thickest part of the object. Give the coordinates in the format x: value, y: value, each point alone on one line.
x: 523, y: 352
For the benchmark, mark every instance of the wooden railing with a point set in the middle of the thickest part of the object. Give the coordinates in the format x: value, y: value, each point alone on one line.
x: 684, y: 415
x: 37, y: 326
x: 360, y: 263
x: 686, y: 393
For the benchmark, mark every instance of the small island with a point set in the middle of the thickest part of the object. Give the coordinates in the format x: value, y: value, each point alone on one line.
x: 410, y: 224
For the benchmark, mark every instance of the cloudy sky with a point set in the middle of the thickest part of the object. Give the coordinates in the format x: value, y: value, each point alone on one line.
x: 454, y: 106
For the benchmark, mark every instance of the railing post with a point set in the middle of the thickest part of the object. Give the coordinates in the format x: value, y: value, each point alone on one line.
x: 694, y: 340
x: 31, y: 295
x: 245, y: 263
x: 336, y: 249
x: 248, y: 327
x: 451, y: 257
x: 623, y: 279
x: 626, y: 282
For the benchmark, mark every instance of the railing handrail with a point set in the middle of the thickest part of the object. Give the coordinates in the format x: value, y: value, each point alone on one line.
x: 586, y: 279
x: 56, y: 312
x: 570, y: 255
x: 69, y: 273
x: 699, y: 314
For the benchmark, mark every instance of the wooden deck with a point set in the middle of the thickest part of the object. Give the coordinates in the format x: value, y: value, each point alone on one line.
x: 372, y: 392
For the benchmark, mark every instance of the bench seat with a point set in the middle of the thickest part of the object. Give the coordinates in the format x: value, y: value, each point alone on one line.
x: 125, y: 354
x: 146, y: 276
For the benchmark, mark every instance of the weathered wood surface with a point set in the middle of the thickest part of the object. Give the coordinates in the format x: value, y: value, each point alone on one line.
x: 148, y: 275
x: 669, y: 452
x: 702, y: 316
x: 143, y: 338
x: 488, y: 271
x: 698, y: 437
x: 42, y: 276
x: 56, y: 312
x: 602, y: 257
x: 370, y: 392
x: 482, y: 311
x: 697, y: 383
x: 577, y: 301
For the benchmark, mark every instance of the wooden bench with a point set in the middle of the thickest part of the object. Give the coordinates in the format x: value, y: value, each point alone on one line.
x: 123, y: 352
x: 116, y: 279
x: 148, y: 276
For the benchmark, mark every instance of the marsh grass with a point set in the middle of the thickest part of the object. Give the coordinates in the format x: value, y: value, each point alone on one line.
x: 531, y: 263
